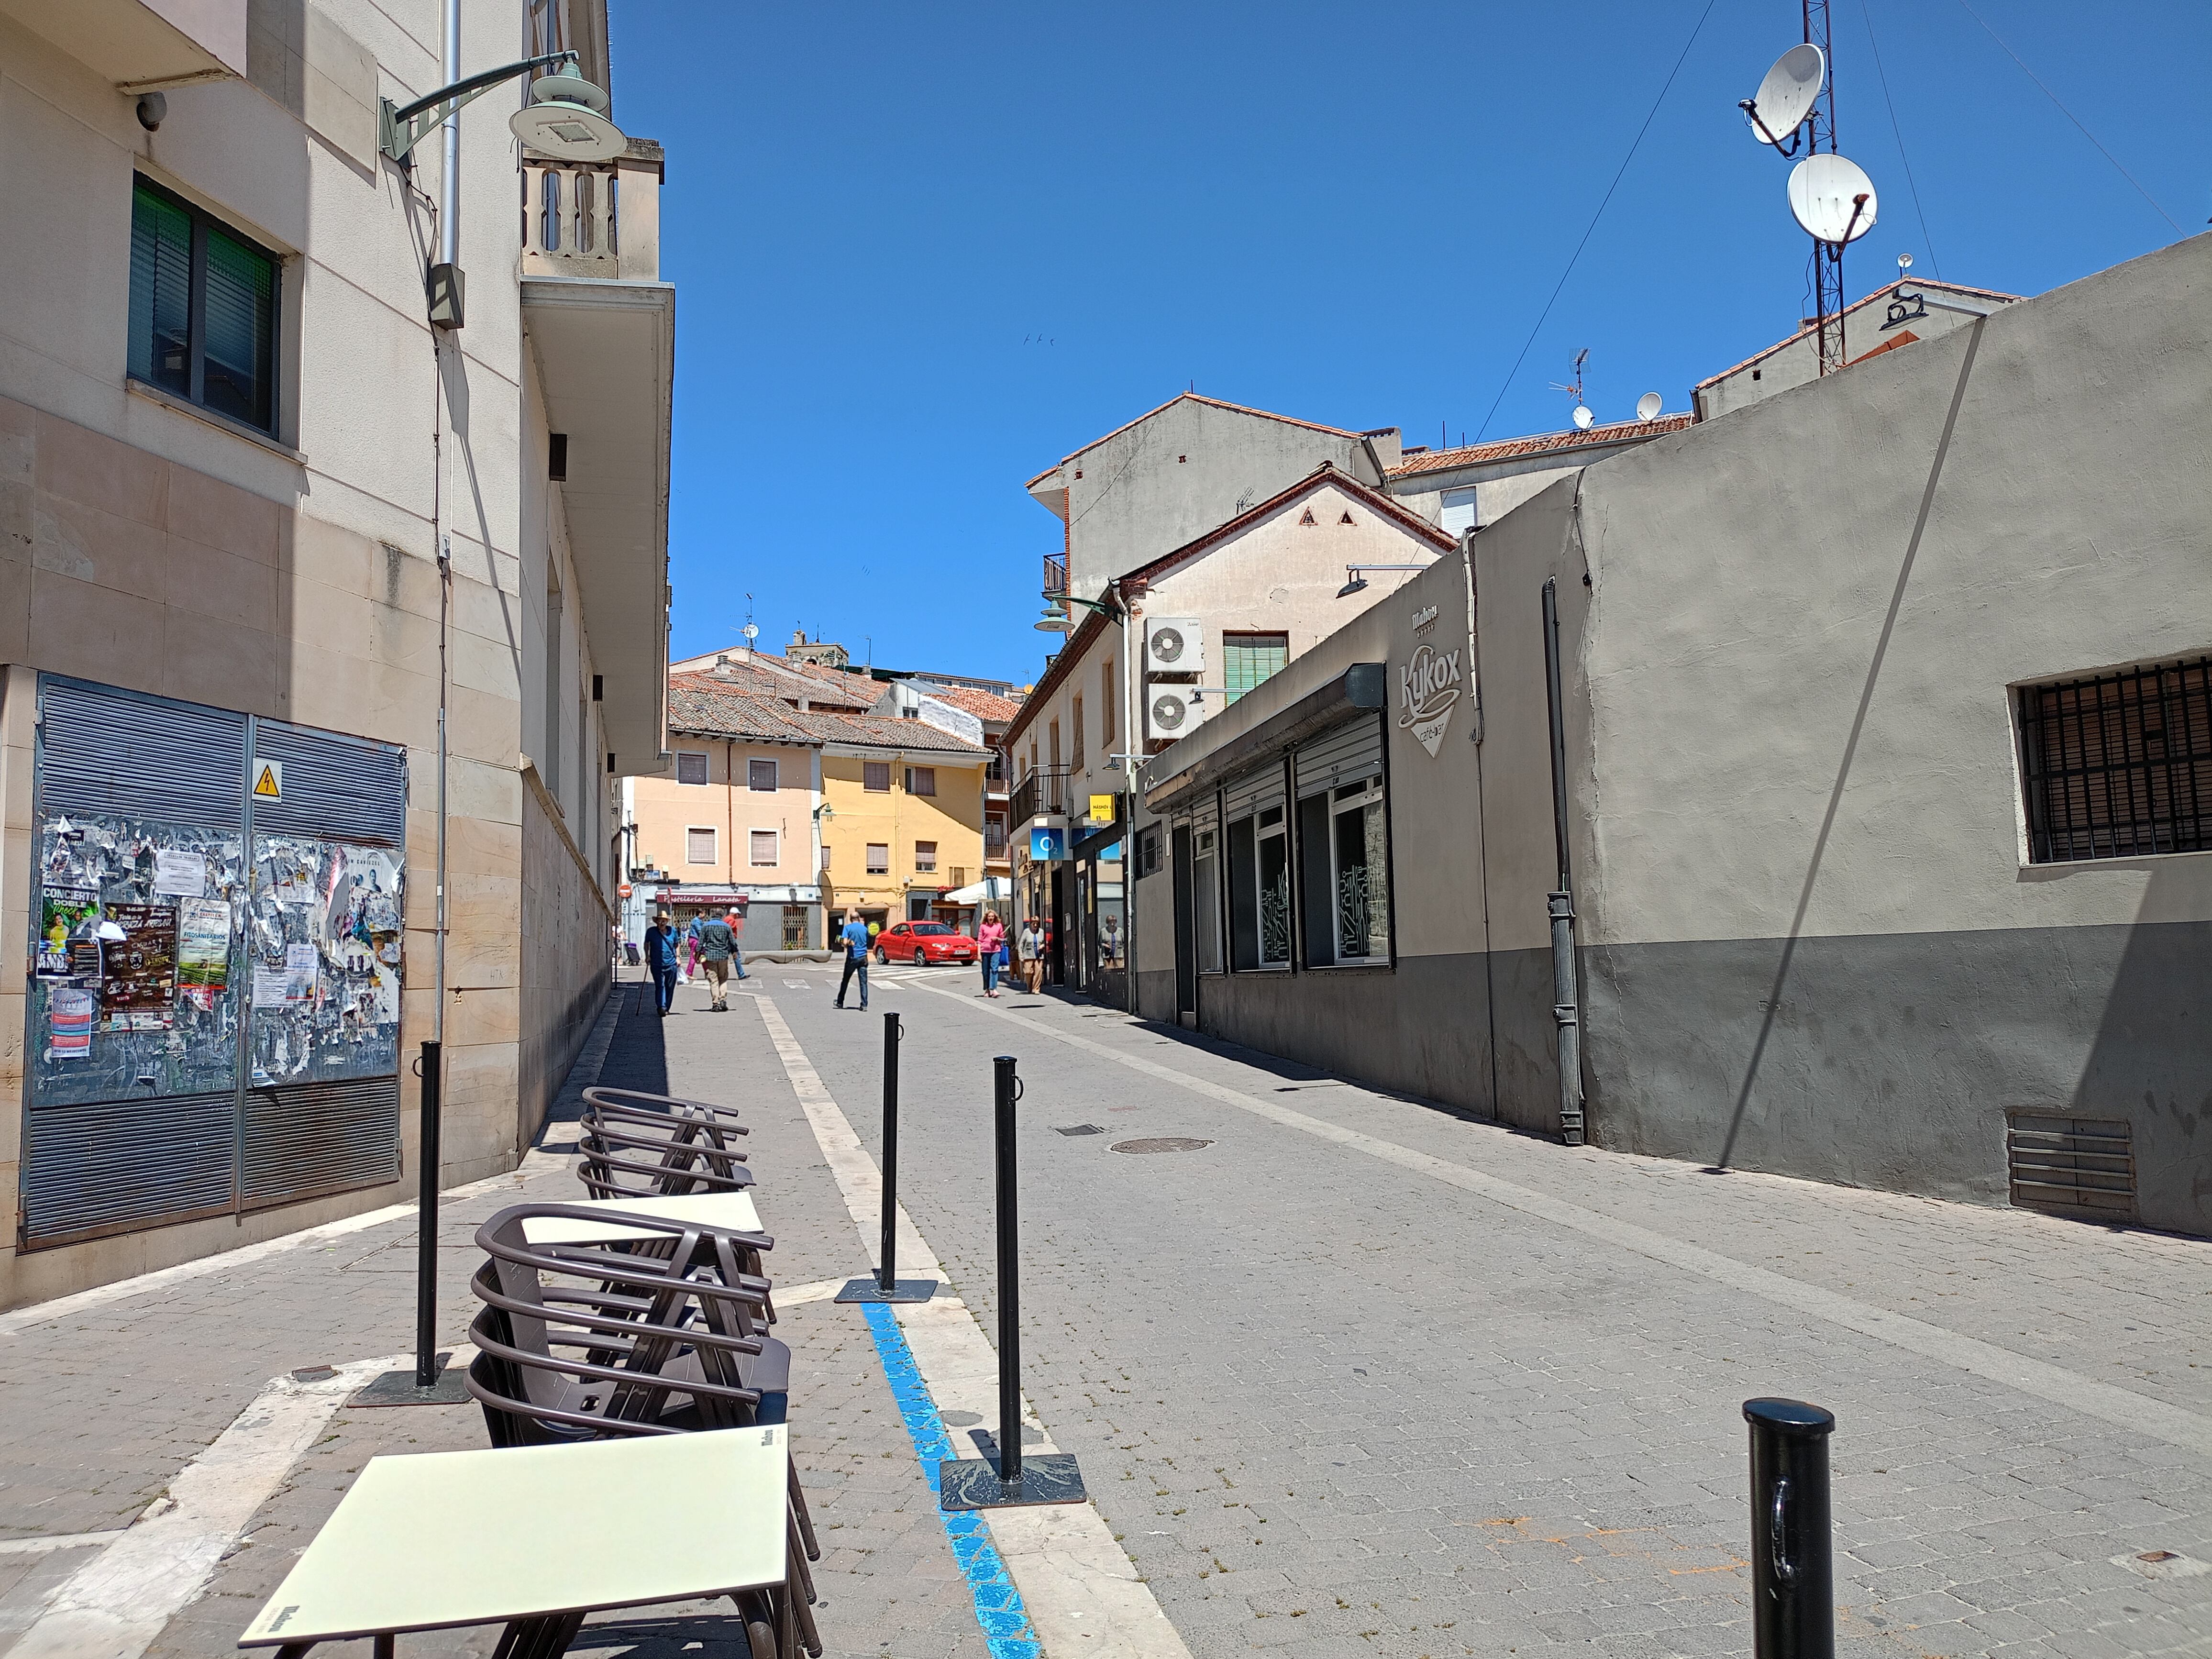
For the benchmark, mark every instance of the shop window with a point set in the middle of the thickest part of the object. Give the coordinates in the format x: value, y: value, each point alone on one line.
x: 879, y: 858
x: 1260, y: 891
x: 925, y: 858
x: 1148, y: 852
x: 763, y: 849
x: 1344, y: 853
x: 921, y: 780
x: 1248, y: 658
x: 2118, y: 765
x: 698, y: 846
x: 1205, y: 900
x: 760, y: 775
x: 876, y: 777
x: 691, y: 768
x: 203, y: 324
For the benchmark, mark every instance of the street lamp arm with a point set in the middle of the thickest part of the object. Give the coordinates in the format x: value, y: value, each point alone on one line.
x: 404, y: 127
x: 1103, y: 609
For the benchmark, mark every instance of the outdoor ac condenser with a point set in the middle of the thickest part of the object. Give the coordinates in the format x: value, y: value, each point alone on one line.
x: 1171, y: 711
x: 1175, y: 645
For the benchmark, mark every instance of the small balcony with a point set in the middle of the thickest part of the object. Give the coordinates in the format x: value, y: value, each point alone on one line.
x: 595, y: 219
x: 1055, y: 574
x: 1039, y: 792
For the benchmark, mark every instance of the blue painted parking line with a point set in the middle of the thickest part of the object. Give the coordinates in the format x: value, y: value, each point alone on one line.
x: 998, y: 1609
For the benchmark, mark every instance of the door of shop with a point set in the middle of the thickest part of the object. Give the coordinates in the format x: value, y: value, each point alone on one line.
x: 213, y: 1021
x: 1186, y: 928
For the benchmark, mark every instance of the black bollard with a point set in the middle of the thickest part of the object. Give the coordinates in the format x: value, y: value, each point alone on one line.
x: 885, y: 1285
x: 1792, y: 1564
x: 429, y: 1383
x: 1049, y: 1477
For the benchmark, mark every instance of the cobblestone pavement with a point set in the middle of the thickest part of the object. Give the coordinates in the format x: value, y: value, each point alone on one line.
x: 1330, y: 1404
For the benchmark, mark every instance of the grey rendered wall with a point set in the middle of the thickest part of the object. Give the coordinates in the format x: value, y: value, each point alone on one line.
x: 1813, y: 942
x: 1136, y: 500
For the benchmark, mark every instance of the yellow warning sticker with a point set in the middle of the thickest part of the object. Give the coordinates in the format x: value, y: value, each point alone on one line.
x: 268, y: 780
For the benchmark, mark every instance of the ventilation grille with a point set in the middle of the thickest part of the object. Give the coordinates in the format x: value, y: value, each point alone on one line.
x: 310, y: 1138
x: 108, y: 1165
x: 2072, y: 1166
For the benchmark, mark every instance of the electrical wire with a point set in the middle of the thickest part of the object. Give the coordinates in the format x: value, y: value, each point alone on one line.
x: 1911, y: 184
x: 2070, y: 116
x: 1595, y: 217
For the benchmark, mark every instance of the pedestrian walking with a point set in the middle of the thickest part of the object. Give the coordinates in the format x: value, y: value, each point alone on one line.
x: 855, y: 936
x: 991, y: 942
x: 691, y: 951
x: 718, y: 950
x: 1030, y: 948
x: 661, y: 962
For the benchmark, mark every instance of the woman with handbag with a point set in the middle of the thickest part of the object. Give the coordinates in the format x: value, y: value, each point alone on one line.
x: 991, y: 945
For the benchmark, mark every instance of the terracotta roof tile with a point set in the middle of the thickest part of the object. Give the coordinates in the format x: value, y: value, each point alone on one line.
x: 986, y: 706
x: 1444, y: 460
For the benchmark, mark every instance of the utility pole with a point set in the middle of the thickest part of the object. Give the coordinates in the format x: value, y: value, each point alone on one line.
x: 1827, y: 257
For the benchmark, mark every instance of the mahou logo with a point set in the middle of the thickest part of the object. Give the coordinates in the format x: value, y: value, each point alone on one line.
x: 1428, y: 687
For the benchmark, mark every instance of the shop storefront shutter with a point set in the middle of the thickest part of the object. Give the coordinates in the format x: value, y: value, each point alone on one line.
x: 1253, y: 791
x: 1349, y: 754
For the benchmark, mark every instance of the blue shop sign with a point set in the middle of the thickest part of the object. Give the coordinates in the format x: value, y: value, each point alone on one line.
x: 1046, y: 846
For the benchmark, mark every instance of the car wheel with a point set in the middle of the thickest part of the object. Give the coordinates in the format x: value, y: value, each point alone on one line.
x: 883, y: 957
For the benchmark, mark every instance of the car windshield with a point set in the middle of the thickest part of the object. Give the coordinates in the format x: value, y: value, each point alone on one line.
x: 931, y: 929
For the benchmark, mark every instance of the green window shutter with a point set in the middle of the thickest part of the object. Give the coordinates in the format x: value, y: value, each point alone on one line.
x: 1248, y: 658
x: 160, y: 293
x: 241, y: 311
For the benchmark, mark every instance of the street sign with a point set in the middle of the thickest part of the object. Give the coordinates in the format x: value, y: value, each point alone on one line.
x: 268, y: 780
x: 623, y: 891
x: 1046, y: 846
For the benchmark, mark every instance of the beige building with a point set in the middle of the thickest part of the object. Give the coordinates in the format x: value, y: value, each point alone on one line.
x: 226, y: 622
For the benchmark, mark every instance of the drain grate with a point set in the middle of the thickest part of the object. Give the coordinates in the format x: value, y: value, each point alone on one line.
x: 1159, y: 1144
x: 2072, y: 1166
x: 1081, y: 1129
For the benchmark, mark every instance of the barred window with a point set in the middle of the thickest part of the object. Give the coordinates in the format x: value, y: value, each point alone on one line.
x: 2118, y: 765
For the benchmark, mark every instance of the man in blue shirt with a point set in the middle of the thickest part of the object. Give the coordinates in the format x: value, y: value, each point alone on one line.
x: 660, y: 961
x: 854, y: 938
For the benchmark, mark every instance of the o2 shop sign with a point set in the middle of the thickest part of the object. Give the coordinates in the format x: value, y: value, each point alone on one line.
x: 1428, y: 689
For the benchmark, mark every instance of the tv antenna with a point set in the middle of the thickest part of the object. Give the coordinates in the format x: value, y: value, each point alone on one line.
x: 750, y: 630
x: 1833, y: 199
x: 1582, y: 417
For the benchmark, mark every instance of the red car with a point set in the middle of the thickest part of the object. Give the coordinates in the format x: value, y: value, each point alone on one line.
x: 923, y: 943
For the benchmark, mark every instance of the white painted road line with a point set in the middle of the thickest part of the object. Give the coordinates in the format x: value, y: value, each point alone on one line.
x: 116, y: 1604
x: 2124, y: 1408
x: 1081, y: 1590
x: 60, y: 1540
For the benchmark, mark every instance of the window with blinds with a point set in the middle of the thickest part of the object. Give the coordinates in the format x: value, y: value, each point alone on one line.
x: 1248, y: 658
x: 691, y: 768
x: 2118, y: 765
x: 698, y: 846
x: 876, y: 777
x: 760, y: 775
x: 921, y: 780
x: 925, y: 857
x: 202, y: 319
x: 763, y: 849
x: 879, y: 858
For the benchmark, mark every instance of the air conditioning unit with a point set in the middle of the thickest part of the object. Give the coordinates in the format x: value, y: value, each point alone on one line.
x: 1172, y: 711
x: 1175, y: 645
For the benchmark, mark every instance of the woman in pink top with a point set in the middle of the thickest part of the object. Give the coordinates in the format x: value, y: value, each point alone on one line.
x: 990, y: 939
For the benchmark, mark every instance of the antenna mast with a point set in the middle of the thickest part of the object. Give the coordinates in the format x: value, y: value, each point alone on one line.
x: 1827, y: 257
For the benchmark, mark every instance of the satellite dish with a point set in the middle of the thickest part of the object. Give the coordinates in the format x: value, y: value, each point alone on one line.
x: 1583, y: 418
x: 1785, y: 96
x: 1649, y: 405
x: 1833, y: 199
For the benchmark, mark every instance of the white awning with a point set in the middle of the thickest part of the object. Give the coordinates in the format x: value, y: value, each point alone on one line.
x: 989, y: 890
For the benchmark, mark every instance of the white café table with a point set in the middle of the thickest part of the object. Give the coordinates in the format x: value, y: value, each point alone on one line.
x: 445, y: 1538
x: 734, y: 1210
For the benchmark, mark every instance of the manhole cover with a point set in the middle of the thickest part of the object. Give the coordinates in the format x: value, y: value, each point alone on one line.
x: 1160, y: 1143
x: 1081, y: 1129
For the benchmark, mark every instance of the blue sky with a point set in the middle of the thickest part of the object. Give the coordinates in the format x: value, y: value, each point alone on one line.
x: 922, y: 252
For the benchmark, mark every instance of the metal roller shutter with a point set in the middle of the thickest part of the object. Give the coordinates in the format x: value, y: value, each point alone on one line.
x: 310, y: 1138
x: 1252, y: 791
x: 113, y: 1165
x: 1350, y: 754
x: 104, y: 751
x: 338, y: 788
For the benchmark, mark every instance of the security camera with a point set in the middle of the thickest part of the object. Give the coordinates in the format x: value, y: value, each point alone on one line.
x: 153, y: 110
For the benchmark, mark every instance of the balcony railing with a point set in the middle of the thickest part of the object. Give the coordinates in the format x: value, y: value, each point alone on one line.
x: 597, y: 219
x: 1055, y: 572
x: 1040, y: 792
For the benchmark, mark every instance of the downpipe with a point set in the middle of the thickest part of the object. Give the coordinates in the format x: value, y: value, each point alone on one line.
x: 1566, y: 1000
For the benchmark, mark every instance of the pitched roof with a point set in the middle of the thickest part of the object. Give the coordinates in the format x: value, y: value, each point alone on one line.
x: 708, y: 710
x: 1094, y: 622
x: 1191, y: 398
x: 1444, y: 460
x: 1883, y: 292
x: 774, y: 677
x: 984, y: 706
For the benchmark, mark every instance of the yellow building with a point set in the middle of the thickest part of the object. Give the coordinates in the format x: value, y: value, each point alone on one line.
x: 904, y: 824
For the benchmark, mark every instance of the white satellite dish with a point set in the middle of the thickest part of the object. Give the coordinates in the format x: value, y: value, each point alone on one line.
x: 1583, y: 418
x: 1832, y: 198
x: 1785, y: 96
x: 1649, y: 405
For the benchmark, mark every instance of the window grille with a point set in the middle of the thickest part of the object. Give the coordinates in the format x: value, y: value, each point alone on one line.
x: 691, y: 768
x: 2118, y: 765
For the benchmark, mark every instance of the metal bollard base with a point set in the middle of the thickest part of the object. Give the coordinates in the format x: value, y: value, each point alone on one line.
x: 973, y: 1482
x: 398, y: 1389
x: 903, y: 1290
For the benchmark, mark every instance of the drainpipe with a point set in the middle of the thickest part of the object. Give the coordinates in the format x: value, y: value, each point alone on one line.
x: 1565, y: 1000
